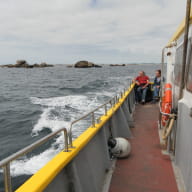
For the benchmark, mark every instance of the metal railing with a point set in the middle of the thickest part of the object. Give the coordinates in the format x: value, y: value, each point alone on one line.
x: 5, y: 164
x: 112, y: 102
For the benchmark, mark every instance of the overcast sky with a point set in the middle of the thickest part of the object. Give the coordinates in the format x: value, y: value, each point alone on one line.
x: 101, y: 31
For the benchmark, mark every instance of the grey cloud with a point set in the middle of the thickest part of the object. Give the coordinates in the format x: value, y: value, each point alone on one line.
x: 116, y: 31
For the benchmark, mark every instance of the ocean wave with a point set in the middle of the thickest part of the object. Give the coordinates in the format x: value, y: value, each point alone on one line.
x: 73, y: 100
x: 53, y: 112
x: 29, y: 166
x: 58, y: 112
x: 90, y: 86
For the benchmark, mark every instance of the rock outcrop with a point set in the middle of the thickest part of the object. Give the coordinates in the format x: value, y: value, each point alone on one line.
x: 41, y: 65
x: 85, y: 64
x: 115, y: 65
x: 24, y: 64
x: 21, y: 63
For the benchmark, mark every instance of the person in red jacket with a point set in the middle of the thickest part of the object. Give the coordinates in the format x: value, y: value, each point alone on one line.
x: 142, y: 82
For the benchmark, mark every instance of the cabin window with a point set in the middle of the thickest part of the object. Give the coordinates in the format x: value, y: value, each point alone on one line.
x: 189, y: 68
x: 178, y: 65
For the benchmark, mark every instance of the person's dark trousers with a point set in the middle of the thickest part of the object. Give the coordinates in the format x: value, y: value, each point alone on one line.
x: 137, y: 95
x: 155, y: 92
x: 141, y: 94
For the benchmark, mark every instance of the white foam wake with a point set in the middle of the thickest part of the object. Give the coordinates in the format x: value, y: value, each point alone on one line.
x: 57, y: 112
x: 33, y: 164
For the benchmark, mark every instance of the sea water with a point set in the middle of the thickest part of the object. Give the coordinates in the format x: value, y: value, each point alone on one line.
x: 36, y: 102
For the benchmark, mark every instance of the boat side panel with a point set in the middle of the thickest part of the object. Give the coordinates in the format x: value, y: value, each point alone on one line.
x: 184, y: 141
x: 119, y: 125
x: 95, y: 158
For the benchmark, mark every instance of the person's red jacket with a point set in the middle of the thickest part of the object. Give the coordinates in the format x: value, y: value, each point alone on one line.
x: 142, y: 80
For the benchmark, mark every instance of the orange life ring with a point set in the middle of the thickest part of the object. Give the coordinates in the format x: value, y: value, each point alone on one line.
x: 166, y: 103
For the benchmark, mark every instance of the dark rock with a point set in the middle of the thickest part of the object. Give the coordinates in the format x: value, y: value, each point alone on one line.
x: 115, y: 65
x: 24, y: 64
x: 99, y: 66
x: 30, y: 66
x: 21, y: 62
x: 35, y: 65
x: 82, y: 64
x: 45, y: 65
x: 85, y: 64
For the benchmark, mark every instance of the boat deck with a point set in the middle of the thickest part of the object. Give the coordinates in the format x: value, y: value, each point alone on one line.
x: 146, y: 169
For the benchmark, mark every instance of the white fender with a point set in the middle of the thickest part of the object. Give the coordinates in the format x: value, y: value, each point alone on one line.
x: 122, y: 147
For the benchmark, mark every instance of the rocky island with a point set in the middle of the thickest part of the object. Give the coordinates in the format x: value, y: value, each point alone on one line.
x: 24, y: 64
x: 85, y: 64
x: 117, y: 65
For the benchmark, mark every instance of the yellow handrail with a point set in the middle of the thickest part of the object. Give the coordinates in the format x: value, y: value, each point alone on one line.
x: 179, y: 31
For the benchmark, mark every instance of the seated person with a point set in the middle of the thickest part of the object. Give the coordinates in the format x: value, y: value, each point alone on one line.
x: 156, y: 86
x: 142, y: 82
